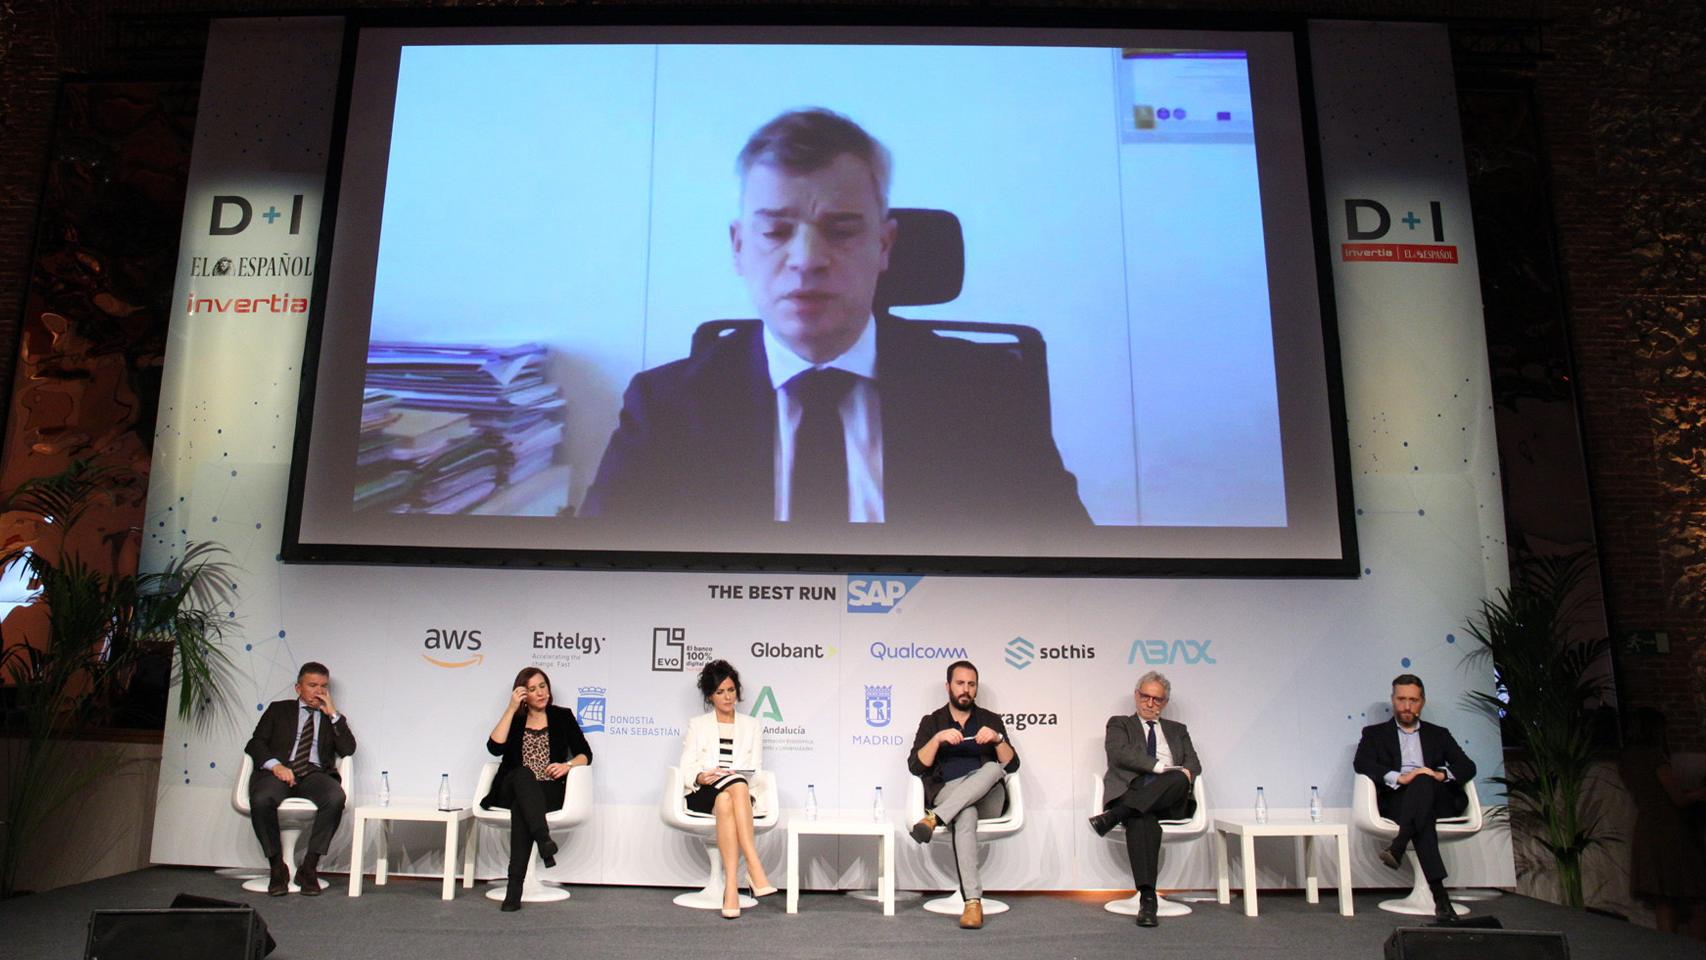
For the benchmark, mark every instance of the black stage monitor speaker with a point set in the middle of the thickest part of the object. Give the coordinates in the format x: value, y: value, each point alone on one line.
x: 1443, y: 943
x: 217, y: 933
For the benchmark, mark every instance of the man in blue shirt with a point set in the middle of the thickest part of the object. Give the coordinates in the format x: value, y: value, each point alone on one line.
x: 296, y: 747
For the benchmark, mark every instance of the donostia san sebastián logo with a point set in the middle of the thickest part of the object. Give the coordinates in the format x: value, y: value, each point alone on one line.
x: 457, y: 647
x: 590, y: 708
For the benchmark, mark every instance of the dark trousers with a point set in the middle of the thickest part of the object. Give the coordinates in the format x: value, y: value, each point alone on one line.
x: 1416, y: 807
x: 528, y: 800
x: 1141, y: 809
x: 266, y: 792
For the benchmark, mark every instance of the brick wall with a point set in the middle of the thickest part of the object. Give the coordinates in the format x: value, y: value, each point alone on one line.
x: 1620, y: 90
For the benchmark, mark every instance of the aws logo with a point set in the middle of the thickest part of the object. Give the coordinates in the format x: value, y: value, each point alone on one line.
x: 878, y: 594
x: 457, y: 647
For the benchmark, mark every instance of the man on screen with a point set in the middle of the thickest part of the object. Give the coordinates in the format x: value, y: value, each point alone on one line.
x: 1418, y: 772
x: 296, y: 746
x: 830, y: 413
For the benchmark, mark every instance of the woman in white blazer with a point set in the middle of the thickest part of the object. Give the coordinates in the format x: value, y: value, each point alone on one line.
x: 721, y: 750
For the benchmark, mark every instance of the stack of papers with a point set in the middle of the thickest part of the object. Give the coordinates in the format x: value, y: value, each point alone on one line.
x: 445, y: 426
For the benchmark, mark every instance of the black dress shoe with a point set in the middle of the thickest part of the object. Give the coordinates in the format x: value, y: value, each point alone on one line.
x: 1103, y: 822
x: 1444, y: 912
x: 308, y: 877
x: 1146, y: 907
x: 278, y: 878
x: 548, y: 853
x: 1390, y: 858
x: 512, y: 898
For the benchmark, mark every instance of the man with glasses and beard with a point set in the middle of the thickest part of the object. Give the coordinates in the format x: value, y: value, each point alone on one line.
x: 1151, y: 767
x: 962, y: 754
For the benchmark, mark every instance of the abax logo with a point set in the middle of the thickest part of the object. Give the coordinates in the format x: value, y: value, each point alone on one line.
x: 1160, y: 653
x: 878, y: 594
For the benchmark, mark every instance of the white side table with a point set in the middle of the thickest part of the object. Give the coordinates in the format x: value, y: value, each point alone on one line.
x: 1248, y: 830
x: 882, y: 830
x: 454, y: 822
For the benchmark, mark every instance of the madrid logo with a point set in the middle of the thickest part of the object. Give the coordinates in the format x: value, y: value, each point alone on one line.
x: 879, y: 704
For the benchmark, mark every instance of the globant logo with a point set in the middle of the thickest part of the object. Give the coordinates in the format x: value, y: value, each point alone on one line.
x: 589, y: 709
x: 878, y: 594
x: 1160, y: 653
x: 783, y: 651
x: 912, y: 651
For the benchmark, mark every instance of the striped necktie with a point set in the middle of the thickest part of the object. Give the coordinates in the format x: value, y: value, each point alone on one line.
x: 299, y: 762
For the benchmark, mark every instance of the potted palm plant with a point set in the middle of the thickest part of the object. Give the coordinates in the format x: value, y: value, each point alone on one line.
x: 100, y: 625
x: 1549, y: 679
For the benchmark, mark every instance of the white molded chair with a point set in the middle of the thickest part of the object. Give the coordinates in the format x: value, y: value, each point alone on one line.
x: 1365, y: 815
x: 1171, y: 830
x: 294, y: 816
x: 576, y: 809
x: 672, y: 809
x: 1011, y: 821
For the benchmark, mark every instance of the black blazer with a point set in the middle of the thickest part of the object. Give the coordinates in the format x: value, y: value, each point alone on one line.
x: 275, y: 737
x: 560, y: 726
x: 1128, y: 755
x: 696, y: 439
x: 933, y: 723
x: 1378, y: 754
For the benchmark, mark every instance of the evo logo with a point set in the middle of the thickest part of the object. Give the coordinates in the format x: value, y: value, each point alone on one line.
x: 1160, y: 653
x: 878, y: 594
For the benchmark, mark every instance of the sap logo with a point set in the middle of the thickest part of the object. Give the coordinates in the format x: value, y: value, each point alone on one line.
x: 464, y: 640
x: 232, y: 214
x: 1161, y: 653
x: 878, y: 595
x: 1355, y: 208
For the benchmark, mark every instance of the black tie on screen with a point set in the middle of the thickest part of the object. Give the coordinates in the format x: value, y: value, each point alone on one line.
x: 818, y: 482
x: 1149, y: 746
x: 299, y: 762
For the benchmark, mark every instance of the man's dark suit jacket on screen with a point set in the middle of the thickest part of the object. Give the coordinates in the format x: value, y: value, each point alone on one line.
x: 1378, y: 754
x: 696, y: 439
x: 276, y: 732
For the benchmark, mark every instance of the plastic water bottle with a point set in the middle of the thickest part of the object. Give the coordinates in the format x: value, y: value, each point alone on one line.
x: 811, y: 802
x: 1261, y: 806
x: 877, y: 812
x: 1314, y: 804
x: 444, y: 791
x: 385, y: 788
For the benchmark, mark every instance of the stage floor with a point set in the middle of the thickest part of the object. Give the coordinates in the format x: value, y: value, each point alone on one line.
x: 407, y: 919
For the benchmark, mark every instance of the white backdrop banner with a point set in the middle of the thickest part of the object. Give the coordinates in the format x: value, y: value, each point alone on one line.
x: 1274, y: 677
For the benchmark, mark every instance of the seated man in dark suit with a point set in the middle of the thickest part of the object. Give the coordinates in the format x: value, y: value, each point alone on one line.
x: 296, y: 747
x: 1151, y: 766
x: 831, y: 414
x: 1418, y: 772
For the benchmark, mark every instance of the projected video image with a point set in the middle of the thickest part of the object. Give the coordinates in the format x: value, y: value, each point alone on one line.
x: 973, y: 299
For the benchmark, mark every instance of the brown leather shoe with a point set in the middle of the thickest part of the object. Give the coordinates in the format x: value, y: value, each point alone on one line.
x: 308, y: 877
x: 923, y: 829
x: 278, y: 878
x: 971, y: 918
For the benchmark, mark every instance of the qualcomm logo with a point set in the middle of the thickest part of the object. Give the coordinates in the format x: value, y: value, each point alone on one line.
x: 589, y: 709
x: 878, y: 594
x: 1021, y: 653
x: 1160, y: 653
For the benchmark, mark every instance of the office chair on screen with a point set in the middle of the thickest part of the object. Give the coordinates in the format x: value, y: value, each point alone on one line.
x: 927, y: 266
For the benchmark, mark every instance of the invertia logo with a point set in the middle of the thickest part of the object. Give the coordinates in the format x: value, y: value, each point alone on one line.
x: 1370, y: 220
x: 276, y: 304
x: 440, y: 640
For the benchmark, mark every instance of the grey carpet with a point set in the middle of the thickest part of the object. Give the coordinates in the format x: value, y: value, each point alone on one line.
x: 407, y: 920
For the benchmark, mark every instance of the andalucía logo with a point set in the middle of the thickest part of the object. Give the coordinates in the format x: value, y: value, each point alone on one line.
x: 442, y: 642
x: 873, y: 594
x: 878, y: 703
x: 766, y: 707
x: 589, y: 709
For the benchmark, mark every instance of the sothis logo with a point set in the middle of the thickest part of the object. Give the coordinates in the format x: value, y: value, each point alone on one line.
x: 878, y: 704
x: 671, y: 653
x: 877, y: 594
x: 442, y: 642
x: 589, y: 709
x: 232, y: 215
x: 1370, y: 220
x: 765, y: 706
x: 1160, y: 653
x: 1021, y: 653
